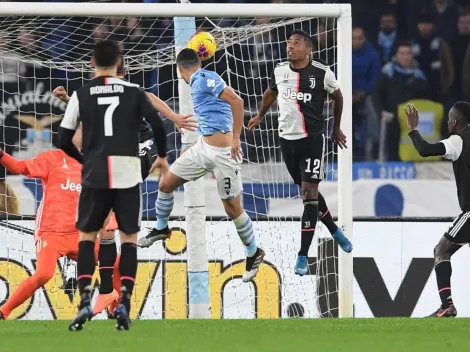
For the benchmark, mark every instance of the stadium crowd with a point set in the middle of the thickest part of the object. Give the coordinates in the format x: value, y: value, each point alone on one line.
x: 402, y: 50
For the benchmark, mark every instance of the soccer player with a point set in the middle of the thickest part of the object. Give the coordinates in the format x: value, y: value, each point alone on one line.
x: 457, y: 149
x: 110, y: 110
x: 147, y: 153
x: 300, y: 86
x: 219, y: 113
x: 55, y: 233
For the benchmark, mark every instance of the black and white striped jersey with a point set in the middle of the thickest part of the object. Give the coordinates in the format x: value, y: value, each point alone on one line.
x: 458, y: 150
x: 301, y: 97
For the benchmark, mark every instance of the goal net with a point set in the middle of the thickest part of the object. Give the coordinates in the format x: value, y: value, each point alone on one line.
x: 200, y: 268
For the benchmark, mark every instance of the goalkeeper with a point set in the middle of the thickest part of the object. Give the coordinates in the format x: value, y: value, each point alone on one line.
x: 108, y: 251
x: 219, y: 113
x: 55, y: 233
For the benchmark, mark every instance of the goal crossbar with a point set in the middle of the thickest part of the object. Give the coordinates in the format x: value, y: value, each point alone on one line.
x: 163, y: 9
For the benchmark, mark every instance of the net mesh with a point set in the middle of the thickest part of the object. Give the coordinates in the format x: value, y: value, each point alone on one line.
x: 37, y: 54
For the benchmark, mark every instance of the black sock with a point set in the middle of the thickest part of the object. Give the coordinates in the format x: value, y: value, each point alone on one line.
x: 106, y: 259
x: 128, y: 271
x: 85, y: 268
x: 309, y: 221
x: 443, y: 274
x: 325, y: 215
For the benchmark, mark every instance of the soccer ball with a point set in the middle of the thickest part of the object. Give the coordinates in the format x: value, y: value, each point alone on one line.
x: 204, y: 44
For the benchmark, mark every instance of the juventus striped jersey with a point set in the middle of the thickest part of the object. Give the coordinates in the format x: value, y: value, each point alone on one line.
x: 458, y: 150
x: 111, y: 112
x: 301, y: 97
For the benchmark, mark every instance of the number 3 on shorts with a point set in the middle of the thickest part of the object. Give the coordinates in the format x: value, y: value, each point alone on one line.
x: 228, y: 185
x: 315, y: 170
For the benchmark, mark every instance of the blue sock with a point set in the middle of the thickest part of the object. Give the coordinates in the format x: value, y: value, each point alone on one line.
x: 163, y: 207
x: 245, y: 231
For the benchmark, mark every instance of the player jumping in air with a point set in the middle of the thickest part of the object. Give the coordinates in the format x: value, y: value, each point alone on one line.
x: 457, y: 149
x: 110, y: 110
x: 219, y: 113
x: 300, y: 86
x: 147, y: 153
x: 55, y: 234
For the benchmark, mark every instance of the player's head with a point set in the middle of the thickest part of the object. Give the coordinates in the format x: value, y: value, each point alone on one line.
x: 187, y: 61
x: 299, y: 46
x: 106, y: 55
x: 459, y: 117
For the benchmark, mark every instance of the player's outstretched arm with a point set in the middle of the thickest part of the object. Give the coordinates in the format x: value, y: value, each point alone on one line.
x: 269, y: 98
x: 422, y: 146
x: 236, y: 104
x: 181, y: 121
x: 68, y: 127
x: 148, y: 111
x: 37, y: 167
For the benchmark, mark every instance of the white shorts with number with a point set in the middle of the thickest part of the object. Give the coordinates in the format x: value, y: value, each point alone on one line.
x: 202, y: 158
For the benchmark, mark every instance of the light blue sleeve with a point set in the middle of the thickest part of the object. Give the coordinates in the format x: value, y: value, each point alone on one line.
x: 212, y: 84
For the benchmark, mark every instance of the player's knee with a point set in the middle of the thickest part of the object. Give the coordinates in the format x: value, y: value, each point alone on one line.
x: 441, y: 254
x: 233, y: 208
x: 164, y: 186
x: 310, y: 191
x: 42, y: 277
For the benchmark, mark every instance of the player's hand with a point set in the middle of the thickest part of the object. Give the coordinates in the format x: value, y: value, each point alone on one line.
x: 412, y: 116
x: 1, y: 152
x: 254, y: 122
x: 339, y: 138
x: 237, y: 153
x: 162, y: 165
x: 61, y: 94
x: 184, y: 121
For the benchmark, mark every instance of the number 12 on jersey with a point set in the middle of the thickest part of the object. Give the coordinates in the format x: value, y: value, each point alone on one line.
x: 316, y: 166
x: 113, y: 103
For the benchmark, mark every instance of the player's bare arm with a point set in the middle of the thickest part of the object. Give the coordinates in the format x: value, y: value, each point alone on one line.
x: 337, y: 135
x: 236, y: 104
x: 422, y: 146
x: 269, y: 98
x: 68, y: 128
x: 181, y: 121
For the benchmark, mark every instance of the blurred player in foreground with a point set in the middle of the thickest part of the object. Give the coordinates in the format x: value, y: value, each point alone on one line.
x: 219, y: 113
x: 147, y: 153
x: 110, y: 111
x: 457, y: 149
x: 300, y: 86
x: 55, y: 234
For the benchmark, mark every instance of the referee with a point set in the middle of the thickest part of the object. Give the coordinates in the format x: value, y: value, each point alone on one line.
x: 300, y: 85
x: 110, y: 110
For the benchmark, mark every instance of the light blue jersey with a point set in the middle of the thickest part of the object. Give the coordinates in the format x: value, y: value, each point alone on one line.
x: 212, y: 113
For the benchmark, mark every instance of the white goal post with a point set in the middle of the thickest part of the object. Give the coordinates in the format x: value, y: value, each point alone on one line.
x: 340, y: 12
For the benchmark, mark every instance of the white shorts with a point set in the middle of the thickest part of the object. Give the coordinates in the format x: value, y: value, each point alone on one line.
x: 203, y: 158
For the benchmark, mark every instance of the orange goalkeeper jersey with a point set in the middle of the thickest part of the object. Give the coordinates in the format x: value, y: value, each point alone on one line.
x: 61, y: 184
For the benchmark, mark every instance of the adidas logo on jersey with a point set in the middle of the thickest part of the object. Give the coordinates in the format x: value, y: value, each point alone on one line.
x: 315, y: 177
x: 71, y: 186
x: 292, y: 94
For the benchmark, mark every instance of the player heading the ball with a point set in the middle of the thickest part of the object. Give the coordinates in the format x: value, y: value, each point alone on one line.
x: 219, y: 113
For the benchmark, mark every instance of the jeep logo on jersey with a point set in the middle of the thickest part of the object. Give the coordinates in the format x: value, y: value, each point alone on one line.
x: 72, y: 186
x: 292, y: 94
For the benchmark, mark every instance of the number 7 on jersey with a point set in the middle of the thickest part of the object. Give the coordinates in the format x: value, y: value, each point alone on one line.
x: 113, y: 103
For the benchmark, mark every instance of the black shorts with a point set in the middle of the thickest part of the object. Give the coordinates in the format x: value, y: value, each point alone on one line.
x: 459, y: 231
x: 147, y: 155
x: 304, y: 158
x: 95, y: 204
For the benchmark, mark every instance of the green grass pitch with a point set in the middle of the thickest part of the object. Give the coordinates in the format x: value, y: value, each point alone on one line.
x: 241, y: 335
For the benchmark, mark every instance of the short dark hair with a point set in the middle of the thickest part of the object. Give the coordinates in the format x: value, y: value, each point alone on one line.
x: 188, y: 58
x: 463, y: 107
x: 425, y: 17
x: 303, y: 34
x: 106, y: 53
x: 402, y: 43
x: 388, y: 13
